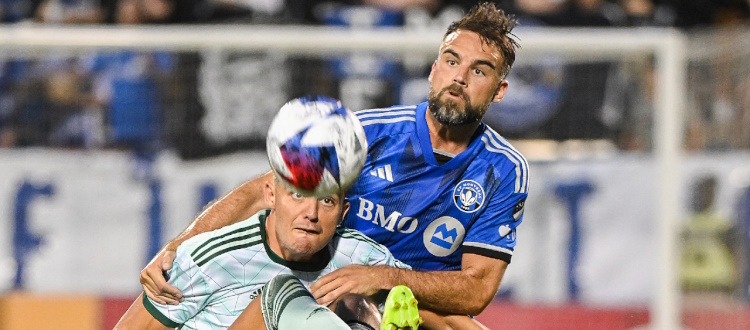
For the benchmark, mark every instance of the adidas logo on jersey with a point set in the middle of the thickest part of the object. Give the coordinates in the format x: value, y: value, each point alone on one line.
x: 383, y: 172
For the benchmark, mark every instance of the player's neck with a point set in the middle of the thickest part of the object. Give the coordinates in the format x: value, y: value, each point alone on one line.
x: 450, y: 139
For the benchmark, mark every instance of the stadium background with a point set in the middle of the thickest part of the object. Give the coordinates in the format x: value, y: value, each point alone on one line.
x: 107, y: 153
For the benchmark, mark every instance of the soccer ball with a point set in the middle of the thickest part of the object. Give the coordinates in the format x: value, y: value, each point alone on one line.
x: 316, y: 146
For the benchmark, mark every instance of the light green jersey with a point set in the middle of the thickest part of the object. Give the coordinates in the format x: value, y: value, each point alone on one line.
x: 221, y: 272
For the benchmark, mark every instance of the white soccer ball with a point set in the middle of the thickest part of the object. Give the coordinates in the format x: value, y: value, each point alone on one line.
x: 316, y: 146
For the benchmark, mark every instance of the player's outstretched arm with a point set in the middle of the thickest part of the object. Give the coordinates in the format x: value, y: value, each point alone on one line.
x: 467, y: 291
x: 138, y: 318
x: 237, y: 205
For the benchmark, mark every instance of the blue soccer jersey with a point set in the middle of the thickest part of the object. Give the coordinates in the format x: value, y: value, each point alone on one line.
x: 429, y: 214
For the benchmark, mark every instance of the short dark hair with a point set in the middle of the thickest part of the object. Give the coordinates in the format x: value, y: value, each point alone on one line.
x: 494, y: 28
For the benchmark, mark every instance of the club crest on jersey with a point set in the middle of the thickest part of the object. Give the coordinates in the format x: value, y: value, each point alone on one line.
x: 468, y: 196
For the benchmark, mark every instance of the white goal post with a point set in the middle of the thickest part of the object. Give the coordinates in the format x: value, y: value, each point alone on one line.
x: 667, y: 46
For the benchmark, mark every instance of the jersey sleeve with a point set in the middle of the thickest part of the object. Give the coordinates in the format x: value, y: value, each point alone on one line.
x: 186, y: 276
x: 362, y: 250
x: 388, y: 259
x: 493, y: 234
x: 380, y: 255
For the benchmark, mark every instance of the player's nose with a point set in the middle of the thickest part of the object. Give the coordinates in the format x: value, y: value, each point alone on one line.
x: 459, y: 76
x: 310, y: 208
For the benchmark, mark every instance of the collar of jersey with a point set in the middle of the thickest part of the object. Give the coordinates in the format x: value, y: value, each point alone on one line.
x: 323, y: 256
x: 423, y: 134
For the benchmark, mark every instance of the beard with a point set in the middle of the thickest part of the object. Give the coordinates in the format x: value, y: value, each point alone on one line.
x: 452, y: 113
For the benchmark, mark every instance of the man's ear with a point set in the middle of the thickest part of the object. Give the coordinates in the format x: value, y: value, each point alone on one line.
x: 500, y: 91
x: 269, y: 193
x: 345, y: 209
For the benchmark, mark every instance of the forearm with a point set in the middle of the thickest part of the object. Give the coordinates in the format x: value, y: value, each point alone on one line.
x: 452, y: 292
x: 446, y: 291
x: 237, y: 205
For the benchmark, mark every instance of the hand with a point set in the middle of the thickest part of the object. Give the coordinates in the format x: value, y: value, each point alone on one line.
x: 366, y: 280
x: 155, y: 285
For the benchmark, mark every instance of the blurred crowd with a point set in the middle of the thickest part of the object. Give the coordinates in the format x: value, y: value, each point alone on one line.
x: 146, y: 101
x: 679, y: 13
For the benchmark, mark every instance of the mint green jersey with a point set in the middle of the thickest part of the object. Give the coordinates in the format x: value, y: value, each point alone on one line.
x: 221, y: 272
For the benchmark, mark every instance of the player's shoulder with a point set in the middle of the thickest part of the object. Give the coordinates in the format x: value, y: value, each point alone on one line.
x: 354, y: 247
x: 498, y: 149
x: 351, y: 240
x: 499, y: 152
x: 245, y: 230
x: 395, y: 118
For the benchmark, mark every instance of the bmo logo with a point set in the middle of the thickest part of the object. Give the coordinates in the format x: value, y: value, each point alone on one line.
x: 374, y: 212
x: 443, y: 236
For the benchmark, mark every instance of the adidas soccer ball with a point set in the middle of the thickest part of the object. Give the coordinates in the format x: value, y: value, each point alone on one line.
x: 316, y: 146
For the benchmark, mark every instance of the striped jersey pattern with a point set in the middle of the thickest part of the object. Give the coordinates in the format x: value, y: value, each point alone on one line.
x: 221, y: 272
x: 429, y: 213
